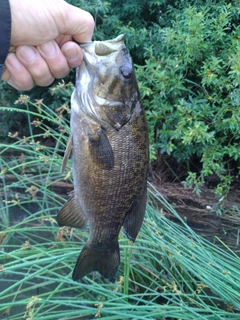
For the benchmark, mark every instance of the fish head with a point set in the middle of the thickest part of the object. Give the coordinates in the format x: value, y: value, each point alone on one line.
x: 106, y: 86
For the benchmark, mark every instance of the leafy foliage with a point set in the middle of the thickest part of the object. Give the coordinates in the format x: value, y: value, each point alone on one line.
x: 190, y: 85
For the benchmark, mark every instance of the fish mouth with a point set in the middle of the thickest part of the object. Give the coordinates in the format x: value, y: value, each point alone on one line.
x: 104, y: 48
x: 101, y: 48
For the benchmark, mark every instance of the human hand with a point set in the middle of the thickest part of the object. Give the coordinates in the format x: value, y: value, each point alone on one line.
x: 41, y: 41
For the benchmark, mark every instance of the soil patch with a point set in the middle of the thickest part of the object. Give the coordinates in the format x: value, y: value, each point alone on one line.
x: 214, y: 220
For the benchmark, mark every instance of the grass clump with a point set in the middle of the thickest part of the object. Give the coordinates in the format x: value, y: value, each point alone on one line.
x: 168, y: 273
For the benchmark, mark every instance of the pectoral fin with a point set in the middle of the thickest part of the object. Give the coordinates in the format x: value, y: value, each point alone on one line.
x: 67, y: 153
x: 101, y: 150
x: 70, y: 215
x: 134, y: 219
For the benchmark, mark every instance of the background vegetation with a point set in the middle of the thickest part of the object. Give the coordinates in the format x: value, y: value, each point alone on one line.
x: 187, y: 63
x: 168, y: 273
x: 188, y: 67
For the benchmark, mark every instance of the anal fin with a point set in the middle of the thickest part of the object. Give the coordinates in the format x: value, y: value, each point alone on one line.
x: 134, y: 219
x: 70, y: 215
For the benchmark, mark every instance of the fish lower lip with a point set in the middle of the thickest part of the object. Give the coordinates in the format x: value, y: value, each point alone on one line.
x: 84, y: 44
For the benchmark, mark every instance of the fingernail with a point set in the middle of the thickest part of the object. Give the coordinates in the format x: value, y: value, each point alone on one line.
x: 13, y: 61
x: 71, y: 53
x: 27, y: 54
x: 48, y: 48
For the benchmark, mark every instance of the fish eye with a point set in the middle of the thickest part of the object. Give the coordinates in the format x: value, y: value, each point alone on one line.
x: 126, y: 72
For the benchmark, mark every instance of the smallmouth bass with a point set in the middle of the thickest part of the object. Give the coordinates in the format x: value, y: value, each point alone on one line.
x: 109, y: 145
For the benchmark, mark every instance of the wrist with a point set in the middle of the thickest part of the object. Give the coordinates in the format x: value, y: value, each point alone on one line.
x: 5, y: 32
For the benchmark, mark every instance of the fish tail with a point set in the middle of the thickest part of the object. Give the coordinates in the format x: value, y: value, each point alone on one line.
x: 104, y: 261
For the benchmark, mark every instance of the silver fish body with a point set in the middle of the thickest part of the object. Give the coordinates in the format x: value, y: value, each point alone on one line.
x: 109, y: 144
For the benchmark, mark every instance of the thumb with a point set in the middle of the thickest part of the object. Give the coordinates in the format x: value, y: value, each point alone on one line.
x: 78, y: 23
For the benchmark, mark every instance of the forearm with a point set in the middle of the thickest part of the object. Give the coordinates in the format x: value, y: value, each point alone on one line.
x: 5, y: 32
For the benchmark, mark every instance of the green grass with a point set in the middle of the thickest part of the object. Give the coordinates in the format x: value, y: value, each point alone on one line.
x: 168, y: 273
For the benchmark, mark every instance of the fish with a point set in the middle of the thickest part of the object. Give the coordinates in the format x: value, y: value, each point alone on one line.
x: 109, y: 147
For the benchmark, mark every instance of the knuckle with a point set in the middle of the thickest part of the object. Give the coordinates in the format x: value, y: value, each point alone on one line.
x: 24, y: 82
x: 61, y: 75
x: 24, y: 87
x: 90, y: 24
x: 44, y: 80
x: 90, y: 21
x: 59, y: 69
x: 45, y: 83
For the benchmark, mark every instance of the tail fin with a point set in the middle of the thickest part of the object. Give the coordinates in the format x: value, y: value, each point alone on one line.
x: 105, y: 262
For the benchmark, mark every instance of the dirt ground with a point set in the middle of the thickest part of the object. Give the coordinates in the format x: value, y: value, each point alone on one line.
x: 214, y: 220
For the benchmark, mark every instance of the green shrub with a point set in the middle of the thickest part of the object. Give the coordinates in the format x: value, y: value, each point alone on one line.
x: 190, y: 87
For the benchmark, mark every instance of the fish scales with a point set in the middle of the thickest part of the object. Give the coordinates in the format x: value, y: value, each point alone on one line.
x: 109, y: 143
